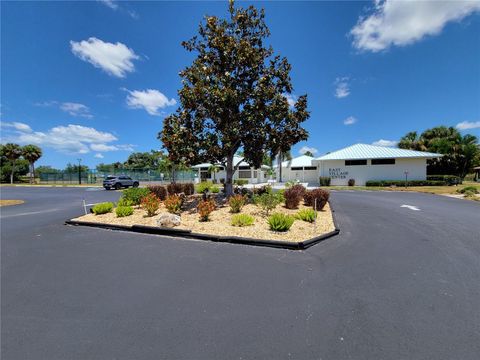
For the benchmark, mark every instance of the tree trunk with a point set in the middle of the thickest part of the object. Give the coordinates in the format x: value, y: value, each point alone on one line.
x: 280, y: 166
x: 32, y: 173
x: 13, y: 171
x: 229, y: 177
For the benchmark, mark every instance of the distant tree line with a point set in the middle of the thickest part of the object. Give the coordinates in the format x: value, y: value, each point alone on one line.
x: 461, y: 153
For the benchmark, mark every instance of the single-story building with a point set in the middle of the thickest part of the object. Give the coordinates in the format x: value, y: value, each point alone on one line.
x: 363, y: 162
x: 299, y: 168
x: 243, y: 171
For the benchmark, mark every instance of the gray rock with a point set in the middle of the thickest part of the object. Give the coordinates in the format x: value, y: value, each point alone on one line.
x: 168, y: 220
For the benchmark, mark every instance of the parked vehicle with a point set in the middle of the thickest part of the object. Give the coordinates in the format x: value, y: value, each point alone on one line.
x: 118, y: 182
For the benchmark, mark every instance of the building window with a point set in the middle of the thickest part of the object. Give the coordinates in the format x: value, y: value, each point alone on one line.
x: 297, y: 168
x: 383, y: 161
x: 355, y: 162
x: 244, y: 174
x: 255, y: 174
x: 244, y: 168
x: 310, y: 168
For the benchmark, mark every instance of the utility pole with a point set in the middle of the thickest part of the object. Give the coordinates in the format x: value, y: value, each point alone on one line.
x: 79, y: 172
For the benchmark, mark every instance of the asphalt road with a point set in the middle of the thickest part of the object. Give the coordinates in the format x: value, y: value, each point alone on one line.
x: 397, y: 283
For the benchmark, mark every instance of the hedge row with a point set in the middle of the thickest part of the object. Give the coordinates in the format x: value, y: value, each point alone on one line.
x: 402, y: 183
x: 447, y: 179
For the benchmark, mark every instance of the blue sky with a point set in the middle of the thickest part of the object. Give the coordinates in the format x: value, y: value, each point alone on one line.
x: 94, y: 80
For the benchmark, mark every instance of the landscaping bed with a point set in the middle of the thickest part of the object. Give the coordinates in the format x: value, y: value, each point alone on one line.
x: 219, y: 222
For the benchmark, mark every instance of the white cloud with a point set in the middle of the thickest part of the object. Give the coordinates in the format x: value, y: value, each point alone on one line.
x: 71, y: 139
x: 350, y: 120
x: 98, y: 156
x: 105, y: 147
x: 114, y: 59
x: 17, y: 126
x: 385, y: 143
x: 76, y: 109
x: 401, y: 23
x: 466, y: 125
x: 151, y: 100
x: 304, y: 149
x: 342, y: 87
x: 291, y: 99
x: 110, y: 3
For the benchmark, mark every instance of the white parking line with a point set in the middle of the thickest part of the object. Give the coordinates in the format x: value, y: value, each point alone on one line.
x: 411, y: 207
x: 29, y: 213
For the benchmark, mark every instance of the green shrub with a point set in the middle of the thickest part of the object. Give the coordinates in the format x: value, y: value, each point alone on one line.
x: 173, y: 204
x: 280, y: 222
x: 123, y: 211
x: 447, y: 179
x: 215, y: 189
x: 267, y: 202
x: 262, y: 190
x: 124, y: 202
x: 240, y: 182
x: 150, y: 203
x: 159, y: 191
x: 102, y: 208
x: 402, y: 183
x: 307, y: 215
x: 236, y: 203
x: 242, y: 220
x: 351, y: 182
x: 291, y: 183
x: 135, y: 195
x: 293, y: 195
x: 204, y: 186
x: 320, y: 194
x: 471, y: 189
x: 325, y: 180
x: 469, y: 193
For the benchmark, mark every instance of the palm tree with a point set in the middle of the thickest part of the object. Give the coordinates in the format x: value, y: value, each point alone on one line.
x: 12, y: 152
x: 213, y: 169
x: 32, y: 153
x: 411, y: 141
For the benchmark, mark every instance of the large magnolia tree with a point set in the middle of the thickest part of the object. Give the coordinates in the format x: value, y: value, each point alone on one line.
x: 233, y: 96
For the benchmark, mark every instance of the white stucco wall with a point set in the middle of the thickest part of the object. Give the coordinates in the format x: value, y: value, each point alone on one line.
x: 340, y: 174
x: 310, y: 176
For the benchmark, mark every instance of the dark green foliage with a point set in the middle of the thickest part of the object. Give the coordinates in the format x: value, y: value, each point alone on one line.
x: 135, y: 195
x: 233, y: 96
x: 325, y: 180
x: 447, y: 179
x: 242, y: 220
x: 351, y: 182
x: 280, y: 222
x: 262, y: 190
x: 293, y: 195
x: 240, y: 182
x: 159, y: 190
x: 402, y: 183
x: 321, y: 195
x: 102, y: 208
x: 460, y: 152
x: 123, y: 211
x: 307, y: 215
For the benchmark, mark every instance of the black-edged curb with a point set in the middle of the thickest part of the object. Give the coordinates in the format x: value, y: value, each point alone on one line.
x: 302, y: 245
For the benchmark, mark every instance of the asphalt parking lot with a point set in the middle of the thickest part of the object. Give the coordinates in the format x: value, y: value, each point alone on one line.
x: 397, y: 283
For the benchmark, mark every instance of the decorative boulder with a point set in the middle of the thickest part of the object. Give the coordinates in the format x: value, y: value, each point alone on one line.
x: 168, y: 220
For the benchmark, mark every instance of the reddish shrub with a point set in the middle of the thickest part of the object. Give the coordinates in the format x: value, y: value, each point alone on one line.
x: 173, y: 203
x: 174, y: 188
x: 293, y: 195
x: 205, y: 207
x: 159, y: 191
x: 319, y: 194
x: 150, y: 203
x: 188, y: 188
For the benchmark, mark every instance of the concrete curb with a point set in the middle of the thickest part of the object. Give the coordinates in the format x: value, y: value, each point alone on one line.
x: 215, y: 238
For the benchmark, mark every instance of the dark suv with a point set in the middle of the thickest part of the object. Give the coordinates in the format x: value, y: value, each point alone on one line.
x: 117, y: 182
